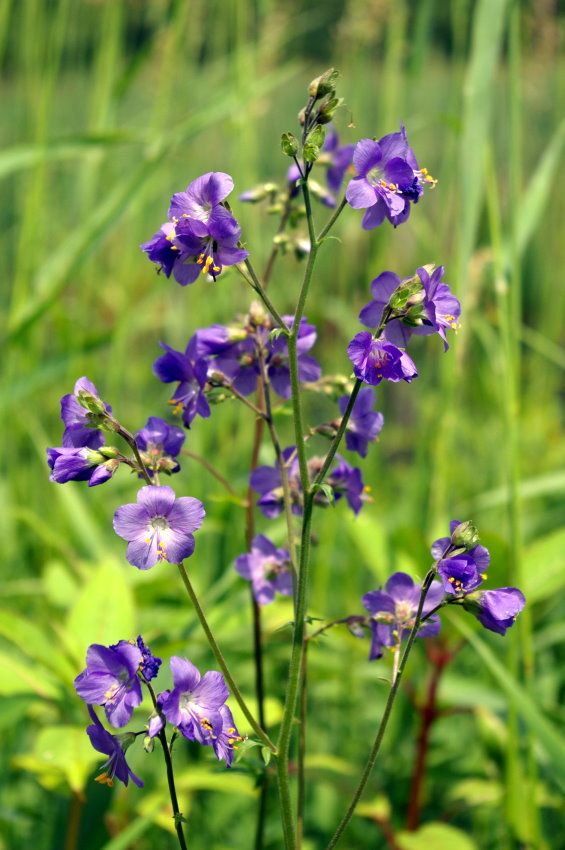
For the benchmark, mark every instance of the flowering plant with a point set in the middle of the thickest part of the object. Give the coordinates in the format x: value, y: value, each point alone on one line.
x: 251, y: 359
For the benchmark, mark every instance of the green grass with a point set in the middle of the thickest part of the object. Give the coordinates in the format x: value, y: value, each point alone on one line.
x: 111, y: 107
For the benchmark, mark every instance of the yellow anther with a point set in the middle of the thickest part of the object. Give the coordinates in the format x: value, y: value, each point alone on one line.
x: 174, y: 248
x: 424, y: 171
x: 200, y: 259
x: 148, y: 540
x: 207, y: 264
x: 104, y: 779
x: 484, y: 576
x: 367, y: 488
x: 217, y: 269
x: 172, y: 235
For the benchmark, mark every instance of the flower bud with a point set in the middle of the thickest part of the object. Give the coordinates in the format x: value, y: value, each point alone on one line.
x: 328, y: 107
x: 148, y: 744
x: 324, y: 84
x: 465, y: 536
x: 407, y: 290
x: 289, y: 144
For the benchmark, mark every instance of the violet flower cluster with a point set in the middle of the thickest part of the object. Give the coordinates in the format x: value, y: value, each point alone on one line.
x: 460, y: 568
x: 196, y: 705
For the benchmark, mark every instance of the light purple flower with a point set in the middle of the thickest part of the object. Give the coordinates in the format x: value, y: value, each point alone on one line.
x: 80, y: 423
x: 159, y: 527
x: 82, y: 464
x: 110, y: 679
x: 394, y: 610
x: 160, y: 444
x: 346, y: 480
x: 365, y: 424
x: 266, y: 480
x: 228, y: 738
x: 376, y: 359
x: 115, y: 747
x: 339, y: 159
x: 193, y: 706
x: 268, y: 569
x: 459, y: 575
x: 442, y: 547
x: 201, y: 203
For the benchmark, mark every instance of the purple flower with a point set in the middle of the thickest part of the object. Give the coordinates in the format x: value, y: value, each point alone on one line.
x: 375, y: 359
x: 365, y: 424
x: 347, y: 481
x: 150, y: 664
x: 110, y: 679
x: 115, y: 747
x: 201, y: 236
x: 266, y: 480
x: 159, y: 526
x: 201, y: 203
x: 159, y: 444
x: 239, y: 362
x: 191, y: 371
x: 228, y: 738
x: 394, y: 610
x: 268, y: 569
x: 382, y: 289
x: 193, y: 706
x: 460, y: 574
x: 80, y: 422
x: 83, y: 464
x: 441, y: 308
x: 338, y: 158
x: 496, y: 609
x: 277, y: 361
x: 388, y: 179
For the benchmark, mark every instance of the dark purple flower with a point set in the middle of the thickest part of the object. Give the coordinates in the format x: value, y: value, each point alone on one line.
x: 159, y: 527
x: 150, y: 664
x: 193, y: 706
x: 441, y: 308
x: 459, y: 575
x: 110, y: 679
x: 338, y: 158
x: 346, y: 480
x: 388, y: 179
x: 365, y: 424
x: 375, y: 359
x: 80, y: 422
x: 268, y: 569
x: 496, y: 609
x: 239, y: 362
x: 83, y: 464
x: 191, y: 370
x: 266, y: 480
x: 115, y: 747
x: 382, y: 288
x: 394, y: 610
x: 206, y: 254
x: 226, y: 741
x: 160, y: 249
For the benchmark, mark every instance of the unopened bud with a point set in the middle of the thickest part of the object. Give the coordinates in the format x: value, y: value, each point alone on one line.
x: 404, y: 293
x: 289, y: 144
x: 324, y: 84
x: 257, y: 314
x: 465, y: 536
x: 90, y: 402
x: 148, y: 744
x: 109, y: 451
x: 328, y: 107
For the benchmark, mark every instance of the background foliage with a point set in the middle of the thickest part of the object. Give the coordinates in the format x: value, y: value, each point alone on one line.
x: 111, y: 106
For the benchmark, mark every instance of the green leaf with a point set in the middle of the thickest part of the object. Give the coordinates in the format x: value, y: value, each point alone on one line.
x: 62, y: 755
x: 36, y: 643
x: 439, y: 836
x: 24, y: 677
x: 104, y: 609
x: 544, y: 577
x: 266, y: 753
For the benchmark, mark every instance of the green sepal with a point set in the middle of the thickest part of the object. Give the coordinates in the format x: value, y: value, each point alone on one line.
x: 289, y: 144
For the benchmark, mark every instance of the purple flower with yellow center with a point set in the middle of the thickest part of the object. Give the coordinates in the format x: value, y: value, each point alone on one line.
x: 82, y: 464
x: 365, y: 424
x: 376, y: 359
x: 459, y: 575
x: 201, y: 203
x: 160, y: 443
x: 80, y: 430
x: 159, y: 527
x: 110, y: 679
x: 388, y: 179
x: 115, y: 747
x: 267, y: 568
x: 193, y: 706
x: 206, y: 254
x: 191, y: 370
x: 228, y: 738
x: 394, y: 611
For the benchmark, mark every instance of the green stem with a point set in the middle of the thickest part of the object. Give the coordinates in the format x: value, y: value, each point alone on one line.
x: 386, y: 715
x: 130, y: 440
x: 340, y: 432
x: 178, y: 818
x: 217, y: 475
x: 255, y: 284
x: 327, y: 227
x: 261, y: 734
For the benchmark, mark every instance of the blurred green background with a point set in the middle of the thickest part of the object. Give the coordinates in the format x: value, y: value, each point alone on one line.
x: 109, y: 107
